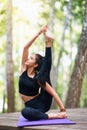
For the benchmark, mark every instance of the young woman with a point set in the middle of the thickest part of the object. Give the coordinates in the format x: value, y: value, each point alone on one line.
x: 35, y: 75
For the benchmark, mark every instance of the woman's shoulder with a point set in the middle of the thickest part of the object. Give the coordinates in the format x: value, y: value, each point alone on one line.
x: 25, y: 71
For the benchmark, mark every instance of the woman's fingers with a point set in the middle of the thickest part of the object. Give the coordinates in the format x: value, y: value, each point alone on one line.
x: 44, y: 28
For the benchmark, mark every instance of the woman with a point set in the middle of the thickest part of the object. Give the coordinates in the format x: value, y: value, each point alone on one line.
x: 35, y: 74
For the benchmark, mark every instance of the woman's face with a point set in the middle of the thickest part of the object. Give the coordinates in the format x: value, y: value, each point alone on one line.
x: 31, y: 61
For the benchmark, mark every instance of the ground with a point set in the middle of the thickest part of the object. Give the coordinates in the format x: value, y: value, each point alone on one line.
x: 78, y: 115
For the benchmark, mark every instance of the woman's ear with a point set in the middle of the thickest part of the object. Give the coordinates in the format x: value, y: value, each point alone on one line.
x: 36, y: 65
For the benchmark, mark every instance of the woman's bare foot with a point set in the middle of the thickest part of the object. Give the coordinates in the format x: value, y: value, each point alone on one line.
x: 52, y: 115
x: 56, y: 116
x: 48, y: 38
x: 49, y: 35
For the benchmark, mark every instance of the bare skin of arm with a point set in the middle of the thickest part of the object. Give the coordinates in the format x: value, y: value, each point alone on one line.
x: 53, y: 93
x: 25, y: 52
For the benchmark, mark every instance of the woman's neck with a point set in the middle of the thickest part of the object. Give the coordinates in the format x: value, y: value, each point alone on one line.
x: 30, y: 71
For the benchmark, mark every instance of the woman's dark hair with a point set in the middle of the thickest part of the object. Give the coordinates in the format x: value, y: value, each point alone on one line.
x: 40, y: 78
x: 39, y: 61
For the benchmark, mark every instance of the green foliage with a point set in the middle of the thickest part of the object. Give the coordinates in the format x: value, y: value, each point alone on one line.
x: 78, y: 10
x: 2, y: 18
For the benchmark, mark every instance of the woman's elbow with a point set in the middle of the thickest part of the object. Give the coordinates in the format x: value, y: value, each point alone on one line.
x: 25, y: 48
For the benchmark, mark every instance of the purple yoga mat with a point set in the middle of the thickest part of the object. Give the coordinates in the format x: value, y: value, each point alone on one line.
x: 24, y: 122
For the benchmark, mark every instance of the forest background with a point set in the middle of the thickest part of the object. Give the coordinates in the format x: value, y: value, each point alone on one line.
x: 19, y: 21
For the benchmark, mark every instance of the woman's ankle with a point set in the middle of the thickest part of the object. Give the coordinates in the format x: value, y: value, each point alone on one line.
x: 49, y: 42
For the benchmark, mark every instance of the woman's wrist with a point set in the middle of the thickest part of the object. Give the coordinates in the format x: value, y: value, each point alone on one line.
x: 39, y: 33
x: 63, y: 110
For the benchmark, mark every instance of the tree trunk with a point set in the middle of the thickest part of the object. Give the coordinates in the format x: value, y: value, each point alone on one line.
x: 66, y: 24
x: 77, y: 76
x: 4, y: 99
x: 54, y: 75
x: 9, y: 61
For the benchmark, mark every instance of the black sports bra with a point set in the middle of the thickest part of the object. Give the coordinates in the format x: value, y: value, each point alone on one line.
x: 27, y: 85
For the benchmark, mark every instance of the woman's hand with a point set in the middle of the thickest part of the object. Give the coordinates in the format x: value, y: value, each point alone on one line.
x: 44, y: 29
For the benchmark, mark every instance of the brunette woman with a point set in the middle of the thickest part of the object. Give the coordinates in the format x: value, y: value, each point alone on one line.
x: 34, y: 82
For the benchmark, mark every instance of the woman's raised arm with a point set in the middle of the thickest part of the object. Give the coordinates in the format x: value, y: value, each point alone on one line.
x: 27, y: 46
x: 53, y: 93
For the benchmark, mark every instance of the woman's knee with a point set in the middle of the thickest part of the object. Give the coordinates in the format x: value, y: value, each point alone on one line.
x: 25, y: 112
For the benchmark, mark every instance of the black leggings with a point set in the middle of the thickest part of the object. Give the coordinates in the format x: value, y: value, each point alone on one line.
x: 35, y: 109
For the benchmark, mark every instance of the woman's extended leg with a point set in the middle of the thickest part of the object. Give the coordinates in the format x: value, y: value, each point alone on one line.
x: 46, y: 66
x: 45, y: 73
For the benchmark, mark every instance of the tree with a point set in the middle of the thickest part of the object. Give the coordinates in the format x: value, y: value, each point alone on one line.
x: 77, y: 76
x: 9, y: 61
x: 55, y: 69
x: 66, y: 24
